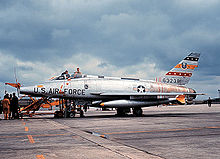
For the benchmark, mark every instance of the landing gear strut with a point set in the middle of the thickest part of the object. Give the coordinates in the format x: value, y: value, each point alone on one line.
x: 122, y: 111
x: 82, y: 113
x: 137, y: 111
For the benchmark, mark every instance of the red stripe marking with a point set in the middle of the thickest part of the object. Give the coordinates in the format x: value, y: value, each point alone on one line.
x: 179, y: 74
x: 61, y: 92
x: 61, y: 87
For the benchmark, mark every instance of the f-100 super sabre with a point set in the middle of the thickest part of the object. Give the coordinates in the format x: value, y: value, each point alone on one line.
x: 124, y: 94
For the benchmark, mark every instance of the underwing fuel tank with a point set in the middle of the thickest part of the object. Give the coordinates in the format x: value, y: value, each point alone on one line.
x: 133, y: 103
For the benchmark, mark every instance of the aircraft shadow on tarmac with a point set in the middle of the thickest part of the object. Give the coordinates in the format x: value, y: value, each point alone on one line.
x: 131, y: 116
x: 153, y: 115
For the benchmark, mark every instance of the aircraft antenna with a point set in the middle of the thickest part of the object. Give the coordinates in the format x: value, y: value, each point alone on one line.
x: 15, y: 74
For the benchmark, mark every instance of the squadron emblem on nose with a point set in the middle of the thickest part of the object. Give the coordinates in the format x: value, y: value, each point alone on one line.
x: 140, y: 89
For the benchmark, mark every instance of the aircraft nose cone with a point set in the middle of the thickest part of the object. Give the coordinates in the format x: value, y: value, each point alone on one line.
x: 26, y: 90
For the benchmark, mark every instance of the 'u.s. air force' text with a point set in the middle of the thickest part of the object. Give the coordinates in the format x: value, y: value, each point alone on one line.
x: 58, y: 91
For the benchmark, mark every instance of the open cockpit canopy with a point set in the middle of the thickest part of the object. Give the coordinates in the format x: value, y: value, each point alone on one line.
x: 74, y: 76
x: 65, y: 76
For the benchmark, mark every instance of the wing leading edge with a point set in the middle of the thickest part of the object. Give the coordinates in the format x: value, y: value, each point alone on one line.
x: 143, y: 94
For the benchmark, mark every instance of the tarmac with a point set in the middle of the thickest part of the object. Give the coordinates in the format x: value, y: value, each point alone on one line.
x: 191, y: 131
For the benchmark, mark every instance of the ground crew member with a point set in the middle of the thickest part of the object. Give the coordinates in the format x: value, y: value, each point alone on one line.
x: 1, y: 109
x: 6, y: 107
x: 14, y: 106
x: 209, y: 101
x: 10, y: 98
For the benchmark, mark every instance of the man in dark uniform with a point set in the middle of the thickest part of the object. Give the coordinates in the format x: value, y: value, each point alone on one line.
x: 10, y: 98
x: 1, y: 108
x: 14, y: 106
x: 209, y: 101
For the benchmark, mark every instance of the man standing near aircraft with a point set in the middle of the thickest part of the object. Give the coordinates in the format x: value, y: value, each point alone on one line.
x: 10, y: 114
x: 1, y: 109
x: 14, y: 106
x: 209, y: 101
x: 6, y: 106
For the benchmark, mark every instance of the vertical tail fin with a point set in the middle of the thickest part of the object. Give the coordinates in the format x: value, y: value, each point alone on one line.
x: 181, y: 73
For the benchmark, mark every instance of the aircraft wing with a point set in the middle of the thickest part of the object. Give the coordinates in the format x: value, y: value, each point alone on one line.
x: 142, y: 94
x: 170, y: 97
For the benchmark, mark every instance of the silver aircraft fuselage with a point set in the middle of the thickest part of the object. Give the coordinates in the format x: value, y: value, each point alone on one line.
x: 107, y: 88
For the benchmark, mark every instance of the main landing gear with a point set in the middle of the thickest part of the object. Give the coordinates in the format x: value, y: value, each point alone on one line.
x: 123, y: 111
x: 137, y: 111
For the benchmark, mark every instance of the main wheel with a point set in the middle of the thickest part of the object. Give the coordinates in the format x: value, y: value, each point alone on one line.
x: 58, y: 114
x: 72, y: 115
x: 137, y: 111
x: 81, y: 113
x: 122, y: 111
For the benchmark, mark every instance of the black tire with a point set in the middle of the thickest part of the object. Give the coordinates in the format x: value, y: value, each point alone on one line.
x: 120, y: 112
x: 81, y: 113
x: 58, y: 114
x: 72, y: 115
x: 137, y: 111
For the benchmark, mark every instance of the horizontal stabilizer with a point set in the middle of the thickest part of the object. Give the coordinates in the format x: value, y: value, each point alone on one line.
x: 16, y: 85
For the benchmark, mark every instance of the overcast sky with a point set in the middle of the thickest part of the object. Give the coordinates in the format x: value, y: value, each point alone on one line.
x: 141, y: 38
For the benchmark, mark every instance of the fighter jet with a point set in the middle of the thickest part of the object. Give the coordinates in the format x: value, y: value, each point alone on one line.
x: 123, y: 94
